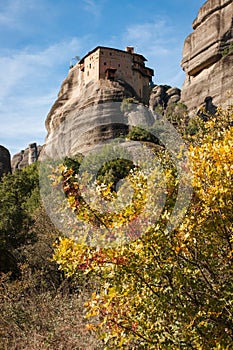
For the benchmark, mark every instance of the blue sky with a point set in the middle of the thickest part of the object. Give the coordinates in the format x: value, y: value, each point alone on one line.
x: 38, y: 38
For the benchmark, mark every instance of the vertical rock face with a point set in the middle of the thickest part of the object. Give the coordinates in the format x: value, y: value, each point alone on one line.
x: 164, y: 95
x: 26, y: 157
x: 208, y: 56
x: 5, y: 161
x: 33, y: 153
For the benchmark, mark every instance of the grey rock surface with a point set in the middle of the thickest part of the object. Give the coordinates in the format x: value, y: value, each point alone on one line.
x: 26, y: 157
x: 208, y: 56
x: 163, y: 95
x: 5, y: 161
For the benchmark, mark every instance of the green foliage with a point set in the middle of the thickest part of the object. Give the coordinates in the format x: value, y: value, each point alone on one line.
x: 177, y: 114
x: 159, y: 109
x: 227, y: 50
x: 110, y: 172
x: 19, y: 193
x: 127, y: 104
x: 113, y: 171
x: 193, y: 126
x: 138, y: 134
x: 73, y: 163
x: 26, y: 233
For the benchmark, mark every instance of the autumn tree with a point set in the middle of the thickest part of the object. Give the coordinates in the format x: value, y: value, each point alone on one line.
x: 166, y: 289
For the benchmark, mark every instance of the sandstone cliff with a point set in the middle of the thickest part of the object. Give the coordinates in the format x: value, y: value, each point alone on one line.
x: 208, y: 56
x: 25, y: 157
x: 164, y: 95
x: 5, y: 162
x: 85, y: 115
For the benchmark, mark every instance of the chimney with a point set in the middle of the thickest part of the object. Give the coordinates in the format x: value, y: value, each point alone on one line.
x: 129, y: 49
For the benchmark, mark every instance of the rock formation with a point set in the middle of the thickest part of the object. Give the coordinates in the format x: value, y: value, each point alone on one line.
x: 164, y: 95
x: 85, y: 115
x: 5, y: 161
x: 26, y: 157
x: 208, y: 56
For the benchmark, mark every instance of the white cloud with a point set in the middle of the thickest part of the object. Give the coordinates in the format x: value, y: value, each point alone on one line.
x: 8, y: 13
x: 160, y: 43
x: 94, y: 7
x: 153, y: 38
x: 24, y: 67
x: 146, y: 31
x: 13, y: 10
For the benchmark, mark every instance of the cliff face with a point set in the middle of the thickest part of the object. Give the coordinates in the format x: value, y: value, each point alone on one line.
x: 164, y: 95
x: 28, y: 156
x: 5, y: 161
x: 84, y: 116
x: 208, y: 56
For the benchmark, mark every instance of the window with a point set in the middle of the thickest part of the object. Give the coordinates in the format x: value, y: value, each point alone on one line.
x: 90, y: 65
x: 105, y: 63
